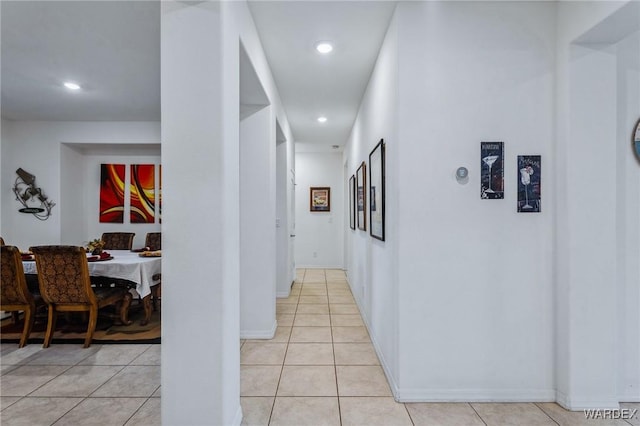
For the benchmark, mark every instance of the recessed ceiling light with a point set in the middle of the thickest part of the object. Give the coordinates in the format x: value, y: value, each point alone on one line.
x: 324, y: 47
x: 71, y: 85
x: 322, y: 119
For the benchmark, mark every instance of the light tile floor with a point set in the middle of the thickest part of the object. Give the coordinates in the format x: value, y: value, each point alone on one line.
x: 69, y: 385
x: 319, y: 369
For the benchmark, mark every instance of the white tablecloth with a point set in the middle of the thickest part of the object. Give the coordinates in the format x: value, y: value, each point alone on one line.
x: 124, y: 265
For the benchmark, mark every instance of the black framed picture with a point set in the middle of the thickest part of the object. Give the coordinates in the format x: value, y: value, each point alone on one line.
x: 361, y: 196
x: 492, y: 170
x: 529, y: 183
x: 635, y: 139
x: 377, y: 191
x: 352, y: 202
x: 320, y: 199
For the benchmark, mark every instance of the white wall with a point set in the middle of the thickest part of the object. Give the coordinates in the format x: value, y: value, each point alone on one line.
x: 257, y: 226
x: 472, y: 278
x: 319, y: 235
x: 628, y: 225
x: 371, y: 264
x: 283, y: 263
x: 475, y: 276
x: 42, y: 149
x: 492, y: 304
x: 597, y: 236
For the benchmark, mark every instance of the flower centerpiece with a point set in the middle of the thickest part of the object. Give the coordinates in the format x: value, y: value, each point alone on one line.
x: 95, y: 246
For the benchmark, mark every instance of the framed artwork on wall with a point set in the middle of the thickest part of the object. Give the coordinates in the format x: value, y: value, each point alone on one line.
x: 320, y: 199
x: 492, y: 170
x: 529, y: 190
x: 361, y: 196
x: 142, y: 193
x: 112, y: 193
x: 377, y: 192
x: 352, y: 202
x: 635, y: 139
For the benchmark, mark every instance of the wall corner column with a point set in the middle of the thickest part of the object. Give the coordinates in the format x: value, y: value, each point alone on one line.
x: 200, y: 373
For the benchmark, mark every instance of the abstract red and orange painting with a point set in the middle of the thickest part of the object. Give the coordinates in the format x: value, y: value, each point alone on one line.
x: 160, y: 193
x: 142, y: 193
x: 112, y: 193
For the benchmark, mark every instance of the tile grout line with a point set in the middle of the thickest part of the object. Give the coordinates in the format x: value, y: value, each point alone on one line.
x: 109, y: 379
x: 136, y: 411
x: 545, y: 413
x: 333, y: 348
x: 69, y: 410
x: 476, y: 411
x: 275, y: 396
x: 69, y: 367
x: 408, y: 414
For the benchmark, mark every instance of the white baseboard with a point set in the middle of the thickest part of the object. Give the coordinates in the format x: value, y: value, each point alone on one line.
x: 321, y: 267
x: 585, y: 403
x: 629, y: 397
x: 259, y: 334
x: 476, y: 395
x: 282, y: 294
x: 237, y: 420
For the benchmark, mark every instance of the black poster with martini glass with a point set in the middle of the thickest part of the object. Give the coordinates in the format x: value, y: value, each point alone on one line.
x: 529, y: 189
x: 491, y: 170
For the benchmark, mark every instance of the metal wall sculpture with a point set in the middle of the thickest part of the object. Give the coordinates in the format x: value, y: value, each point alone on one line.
x: 32, y: 198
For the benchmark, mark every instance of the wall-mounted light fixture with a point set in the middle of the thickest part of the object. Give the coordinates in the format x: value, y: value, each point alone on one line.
x: 462, y: 175
x: 30, y: 196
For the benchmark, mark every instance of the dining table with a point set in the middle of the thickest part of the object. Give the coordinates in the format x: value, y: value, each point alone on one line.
x: 139, y: 270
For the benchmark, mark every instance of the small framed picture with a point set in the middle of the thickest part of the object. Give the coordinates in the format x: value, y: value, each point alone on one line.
x: 361, y: 196
x: 492, y: 170
x: 320, y: 199
x: 529, y: 188
x: 377, y: 191
x: 352, y: 202
x: 635, y: 139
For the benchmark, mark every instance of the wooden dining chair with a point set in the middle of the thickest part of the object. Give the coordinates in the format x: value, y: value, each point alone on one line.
x: 153, y: 240
x: 1, y: 241
x: 63, y: 276
x: 118, y: 240
x: 14, y: 294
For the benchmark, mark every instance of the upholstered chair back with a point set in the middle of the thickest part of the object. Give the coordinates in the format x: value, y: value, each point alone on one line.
x: 154, y: 240
x: 14, y: 289
x: 63, y: 275
x: 118, y: 240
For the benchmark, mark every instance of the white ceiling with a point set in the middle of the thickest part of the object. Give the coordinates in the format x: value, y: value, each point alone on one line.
x: 311, y: 84
x: 112, y: 49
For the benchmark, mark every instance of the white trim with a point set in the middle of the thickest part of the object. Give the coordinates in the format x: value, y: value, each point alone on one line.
x: 237, y: 420
x: 283, y: 295
x: 629, y: 397
x: 476, y: 395
x: 583, y: 403
x: 341, y: 267
x: 259, y: 334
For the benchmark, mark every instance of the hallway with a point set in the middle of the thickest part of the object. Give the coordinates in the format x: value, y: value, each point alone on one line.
x: 321, y: 369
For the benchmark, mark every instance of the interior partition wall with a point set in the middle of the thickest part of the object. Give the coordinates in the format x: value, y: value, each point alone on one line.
x: 597, y: 231
x: 257, y: 226
x: 200, y: 116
